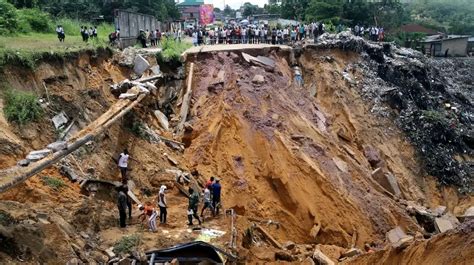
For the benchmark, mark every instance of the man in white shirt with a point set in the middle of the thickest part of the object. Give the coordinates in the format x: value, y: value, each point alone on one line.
x: 207, y: 201
x: 123, y: 164
x: 162, y: 204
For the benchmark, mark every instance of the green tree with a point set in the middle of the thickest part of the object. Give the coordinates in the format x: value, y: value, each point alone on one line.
x: 24, y: 3
x: 228, y: 11
x: 272, y: 9
x: 453, y: 16
x: 324, y: 10
x: 8, y: 18
x: 294, y: 9
x: 249, y: 9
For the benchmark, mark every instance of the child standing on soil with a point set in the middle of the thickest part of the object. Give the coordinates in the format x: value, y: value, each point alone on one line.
x: 148, y: 210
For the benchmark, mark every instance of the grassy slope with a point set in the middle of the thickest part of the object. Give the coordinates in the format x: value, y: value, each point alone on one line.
x: 27, y: 48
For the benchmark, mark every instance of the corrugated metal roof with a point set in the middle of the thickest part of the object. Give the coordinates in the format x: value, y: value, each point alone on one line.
x: 437, y: 38
x: 191, y: 3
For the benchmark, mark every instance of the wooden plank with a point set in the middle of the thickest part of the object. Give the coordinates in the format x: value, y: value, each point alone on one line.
x: 186, y: 101
x: 270, y: 238
x: 133, y: 197
x: 182, y: 189
x: 148, y: 79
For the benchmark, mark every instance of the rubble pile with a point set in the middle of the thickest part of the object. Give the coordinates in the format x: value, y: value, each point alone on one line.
x: 431, y: 100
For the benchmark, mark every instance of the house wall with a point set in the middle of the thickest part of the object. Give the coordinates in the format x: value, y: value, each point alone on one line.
x: 457, y: 47
x: 130, y: 24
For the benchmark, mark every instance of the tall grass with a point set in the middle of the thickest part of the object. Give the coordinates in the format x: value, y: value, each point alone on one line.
x: 171, y: 51
x: 21, y: 107
x: 72, y: 27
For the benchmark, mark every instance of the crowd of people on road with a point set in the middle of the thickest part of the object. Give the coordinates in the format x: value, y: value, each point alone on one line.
x: 211, y: 198
x: 373, y: 33
x: 153, y: 38
x: 255, y: 34
x: 234, y: 34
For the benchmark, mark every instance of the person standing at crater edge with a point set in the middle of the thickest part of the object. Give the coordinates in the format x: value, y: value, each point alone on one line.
x: 123, y: 165
x: 122, y: 206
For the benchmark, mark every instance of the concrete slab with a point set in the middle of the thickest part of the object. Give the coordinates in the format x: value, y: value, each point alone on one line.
x: 162, y: 119
x: 341, y: 165
x: 442, y: 225
x: 258, y: 79
x: 140, y: 65
x: 387, y: 180
x: 59, y: 120
x: 128, y: 96
x: 57, y: 146
x: 23, y: 163
x: 38, y: 155
x: 395, y: 235
x: 439, y: 210
x: 468, y: 214
x: 150, y: 86
x: 266, y: 61
x: 351, y: 253
x: 321, y: 258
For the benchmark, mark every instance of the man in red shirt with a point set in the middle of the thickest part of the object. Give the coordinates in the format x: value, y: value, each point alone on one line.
x: 210, y: 182
x: 148, y: 210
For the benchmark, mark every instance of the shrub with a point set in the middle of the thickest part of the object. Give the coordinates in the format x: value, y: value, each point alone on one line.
x: 21, y: 107
x: 38, y: 20
x: 126, y: 244
x: 8, y: 18
x: 171, y: 51
x: 72, y: 27
x: 53, y: 183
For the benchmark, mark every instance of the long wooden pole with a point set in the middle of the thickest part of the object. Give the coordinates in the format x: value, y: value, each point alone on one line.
x: 42, y: 164
x: 186, y: 100
x: 9, y: 182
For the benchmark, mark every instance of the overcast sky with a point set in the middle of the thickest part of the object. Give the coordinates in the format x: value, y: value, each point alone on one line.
x: 234, y: 3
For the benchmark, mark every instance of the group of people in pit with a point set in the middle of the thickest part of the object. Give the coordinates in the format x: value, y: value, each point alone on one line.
x: 211, y: 195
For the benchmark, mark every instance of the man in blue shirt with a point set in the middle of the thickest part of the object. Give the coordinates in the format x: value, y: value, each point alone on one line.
x: 216, y: 196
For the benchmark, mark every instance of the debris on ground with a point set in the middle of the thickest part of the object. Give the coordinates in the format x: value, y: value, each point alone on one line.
x: 398, y: 238
x: 60, y: 120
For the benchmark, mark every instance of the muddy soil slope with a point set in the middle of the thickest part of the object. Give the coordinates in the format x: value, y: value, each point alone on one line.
x: 278, y: 151
x: 304, y: 155
x: 307, y: 157
x: 41, y: 222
